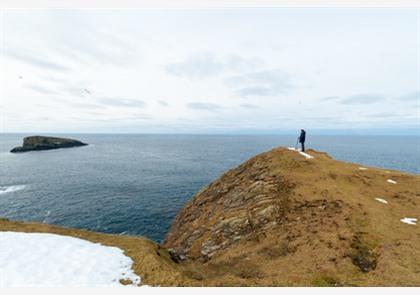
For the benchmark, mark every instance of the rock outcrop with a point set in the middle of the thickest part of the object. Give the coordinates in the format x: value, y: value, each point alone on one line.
x: 39, y: 143
x: 285, y: 219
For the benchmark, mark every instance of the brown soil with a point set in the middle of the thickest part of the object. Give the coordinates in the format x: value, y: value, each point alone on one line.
x: 280, y: 219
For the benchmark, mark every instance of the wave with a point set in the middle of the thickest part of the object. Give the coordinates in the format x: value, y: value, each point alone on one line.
x: 12, y: 188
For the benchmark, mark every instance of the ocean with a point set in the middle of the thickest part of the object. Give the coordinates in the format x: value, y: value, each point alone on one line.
x: 136, y: 184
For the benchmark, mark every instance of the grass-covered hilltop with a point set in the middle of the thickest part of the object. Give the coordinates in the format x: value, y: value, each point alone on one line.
x: 283, y: 218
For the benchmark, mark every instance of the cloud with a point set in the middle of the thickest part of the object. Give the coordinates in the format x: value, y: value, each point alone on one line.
x: 40, y: 89
x: 329, y: 98
x: 387, y: 115
x: 74, y: 90
x: 36, y: 61
x: 362, y: 99
x: 249, y: 106
x: 197, y: 66
x: 410, y: 96
x: 371, y: 98
x: 99, y: 43
x: 83, y: 105
x: 134, y: 117
x: 203, y: 106
x: 321, y: 119
x: 261, y: 83
x: 255, y: 91
x: 121, y: 102
x: 114, y: 120
x: 238, y: 63
x: 42, y: 118
x: 102, y: 48
x: 206, y: 64
x: 163, y: 103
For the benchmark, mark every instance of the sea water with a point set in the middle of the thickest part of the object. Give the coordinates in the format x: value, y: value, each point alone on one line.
x: 136, y: 184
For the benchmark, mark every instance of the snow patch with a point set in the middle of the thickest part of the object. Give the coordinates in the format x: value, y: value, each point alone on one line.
x: 409, y: 220
x: 381, y: 200
x: 391, y: 181
x: 50, y: 260
x: 363, y: 168
x: 307, y: 156
x: 11, y: 188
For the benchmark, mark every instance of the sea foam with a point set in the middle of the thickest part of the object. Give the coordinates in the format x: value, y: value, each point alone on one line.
x: 11, y: 188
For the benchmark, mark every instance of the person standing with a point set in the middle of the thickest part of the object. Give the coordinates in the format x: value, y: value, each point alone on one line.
x: 302, y: 138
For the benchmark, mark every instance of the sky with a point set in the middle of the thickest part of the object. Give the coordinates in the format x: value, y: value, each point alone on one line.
x: 210, y: 70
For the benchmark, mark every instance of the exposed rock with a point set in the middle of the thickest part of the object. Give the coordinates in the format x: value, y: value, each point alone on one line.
x: 39, y: 143
x: 243, y: 202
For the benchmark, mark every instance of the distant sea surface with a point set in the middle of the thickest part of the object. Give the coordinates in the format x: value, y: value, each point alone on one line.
x: 136, y: 184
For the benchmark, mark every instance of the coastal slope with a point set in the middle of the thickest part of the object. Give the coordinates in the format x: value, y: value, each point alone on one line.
x: 288, y: 218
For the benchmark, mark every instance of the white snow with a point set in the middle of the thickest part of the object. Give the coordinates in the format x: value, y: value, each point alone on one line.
x: 381, y: 200
x: 409, y: 220
x: 362, y: 168
x: 50, y: 260
x: 391, y: 181
x: 12, y: 188
x: 307, y: 156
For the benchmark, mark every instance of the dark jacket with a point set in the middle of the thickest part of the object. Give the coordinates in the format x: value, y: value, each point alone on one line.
x: 302, y: 136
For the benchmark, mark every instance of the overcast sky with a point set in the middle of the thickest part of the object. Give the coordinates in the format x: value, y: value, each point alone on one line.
x: 209, y: 71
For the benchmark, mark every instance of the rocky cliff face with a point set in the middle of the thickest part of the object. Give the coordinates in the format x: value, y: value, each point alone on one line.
x: 244, y: 202
x: 284, y: 219
x: 38, y: 143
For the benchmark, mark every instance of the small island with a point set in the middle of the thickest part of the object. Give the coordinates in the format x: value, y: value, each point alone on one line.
x: 40, y: 143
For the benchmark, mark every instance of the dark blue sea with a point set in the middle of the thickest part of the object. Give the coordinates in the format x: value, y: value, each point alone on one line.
x: 135, y: 184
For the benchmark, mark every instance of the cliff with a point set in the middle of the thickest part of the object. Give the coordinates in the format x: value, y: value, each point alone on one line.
x: 38, y: 143
x: 287, y: 218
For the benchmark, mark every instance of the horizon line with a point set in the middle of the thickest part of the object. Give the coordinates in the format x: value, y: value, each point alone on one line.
x: 319, y: 132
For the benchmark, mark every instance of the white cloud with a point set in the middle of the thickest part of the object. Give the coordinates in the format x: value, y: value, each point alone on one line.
x: 261, y: 83
x: 34, y: 60
x: 204, y: 106
x: 362, y: 99
x: 206, y: 64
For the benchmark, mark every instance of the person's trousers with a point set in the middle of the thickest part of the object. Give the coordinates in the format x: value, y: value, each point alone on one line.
x: 303, y: 146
